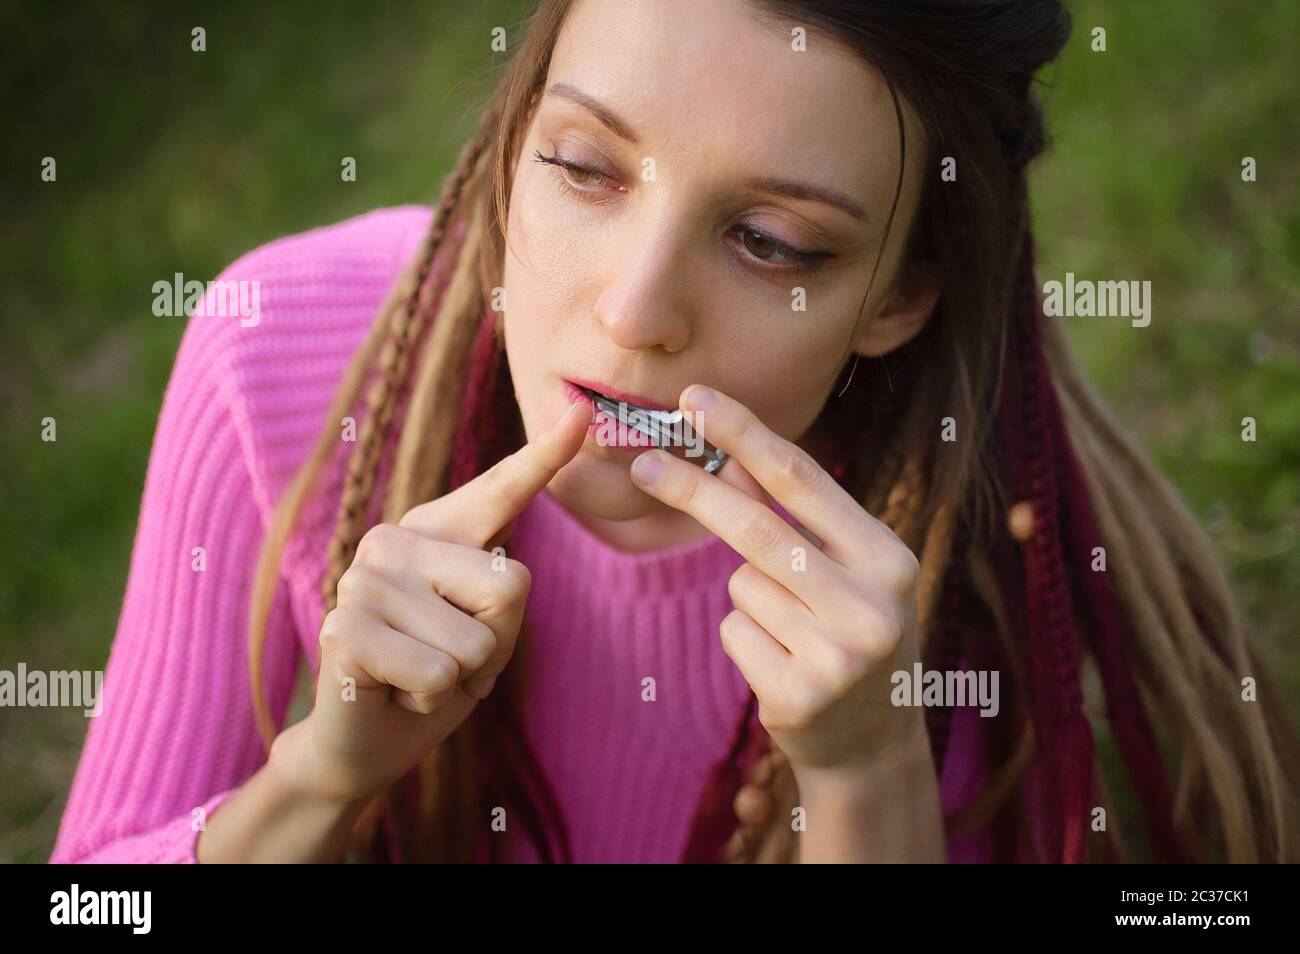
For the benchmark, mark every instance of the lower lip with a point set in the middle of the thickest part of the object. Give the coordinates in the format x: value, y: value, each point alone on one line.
x: 604, y: 426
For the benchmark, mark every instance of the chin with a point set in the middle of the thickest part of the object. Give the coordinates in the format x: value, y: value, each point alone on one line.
x: 601, y: 488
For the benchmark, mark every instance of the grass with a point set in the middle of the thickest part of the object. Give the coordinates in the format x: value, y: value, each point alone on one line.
x: 1144, y: 181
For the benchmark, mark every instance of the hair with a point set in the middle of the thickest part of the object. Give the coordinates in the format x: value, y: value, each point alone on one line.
x: 1005, y: 521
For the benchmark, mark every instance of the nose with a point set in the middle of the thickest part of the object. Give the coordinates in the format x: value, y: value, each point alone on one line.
x: 645, y: 304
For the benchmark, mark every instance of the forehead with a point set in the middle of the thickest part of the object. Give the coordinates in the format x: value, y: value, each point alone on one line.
x: 722, y: 79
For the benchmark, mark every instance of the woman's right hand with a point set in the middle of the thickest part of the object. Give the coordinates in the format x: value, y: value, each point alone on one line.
x: 426, y: 619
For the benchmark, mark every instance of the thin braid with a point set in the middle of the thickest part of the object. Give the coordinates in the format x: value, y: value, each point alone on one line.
x: 1028, y: 421
x: 405, y: 325
x: 1132, y: 544
x: 940, y: 612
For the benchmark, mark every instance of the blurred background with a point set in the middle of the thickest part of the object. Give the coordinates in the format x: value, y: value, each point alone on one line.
x: 171, y: 160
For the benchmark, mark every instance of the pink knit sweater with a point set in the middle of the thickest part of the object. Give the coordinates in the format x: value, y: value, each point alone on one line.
x: 243, y: 407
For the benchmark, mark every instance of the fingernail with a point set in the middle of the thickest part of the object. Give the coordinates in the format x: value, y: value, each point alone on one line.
x: 648, y: 467
x: 699, y: 398
x: 577, y: 404
x: 483, y: 690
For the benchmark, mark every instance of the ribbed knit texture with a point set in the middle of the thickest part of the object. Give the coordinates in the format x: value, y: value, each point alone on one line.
x: 241, y: 412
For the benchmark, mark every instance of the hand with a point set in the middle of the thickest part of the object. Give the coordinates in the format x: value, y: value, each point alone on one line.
x: 426, y: 620
x: 817, y: 633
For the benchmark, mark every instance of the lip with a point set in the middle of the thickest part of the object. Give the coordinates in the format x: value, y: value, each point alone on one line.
x: 618, y: 395
x: 630, y: 442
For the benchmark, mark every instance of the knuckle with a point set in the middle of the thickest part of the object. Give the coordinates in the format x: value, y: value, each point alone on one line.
x: 506, y: 590
x: 334, y: 631
x: 797, y: 469
x: 729, y: 623
x: 759, y: 534
x: 378, y: 543
x: 440, y: 675
x: 514, y: 581
x: 359, y: 584
x: 841, y: 666
x: 903, y: 569
x: 857, y: 609
x: 688, y: 490
x: 345, y: 658
x: 480, y: 645
x: 883, y: 626
x: 739, y: 583
x: 744, y: 424
x: 430, y: 683
x: 730, y: 628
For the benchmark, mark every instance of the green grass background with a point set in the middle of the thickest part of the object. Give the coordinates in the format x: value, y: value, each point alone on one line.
x: 169, y: 160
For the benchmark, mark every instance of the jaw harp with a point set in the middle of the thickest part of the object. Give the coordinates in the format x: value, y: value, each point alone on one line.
x: 658, y: 426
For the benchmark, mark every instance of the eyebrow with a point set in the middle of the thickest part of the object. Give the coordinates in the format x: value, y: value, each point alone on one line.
x: 804, y: 190
x: 770, y: 184
x: 607, y: 116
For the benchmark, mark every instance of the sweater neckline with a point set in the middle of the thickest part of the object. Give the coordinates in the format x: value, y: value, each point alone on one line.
x: 548, y: 526
x: 674, y: 552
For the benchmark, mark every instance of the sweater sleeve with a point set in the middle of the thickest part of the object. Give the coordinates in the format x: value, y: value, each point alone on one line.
x: 175, y: 735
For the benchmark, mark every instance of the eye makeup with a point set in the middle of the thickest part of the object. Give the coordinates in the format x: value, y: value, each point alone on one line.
x: 798, y: 261
x: 563, y: 168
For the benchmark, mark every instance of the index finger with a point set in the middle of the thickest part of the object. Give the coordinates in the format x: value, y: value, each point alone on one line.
x: 475, y: 513
x: 786, y: 471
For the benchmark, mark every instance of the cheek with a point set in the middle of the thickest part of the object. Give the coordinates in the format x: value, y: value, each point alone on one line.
x: 786, y: 374
x: 543, y: 298
x: 788, y: 400
x: 552, y: 254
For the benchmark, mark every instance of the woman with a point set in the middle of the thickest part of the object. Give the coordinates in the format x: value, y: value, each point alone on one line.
x: 806, y: 226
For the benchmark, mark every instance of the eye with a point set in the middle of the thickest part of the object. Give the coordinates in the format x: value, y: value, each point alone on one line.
x: 777, y: 257
x: 582, y: 182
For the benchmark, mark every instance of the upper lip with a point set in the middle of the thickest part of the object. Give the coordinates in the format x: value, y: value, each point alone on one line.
x: 618, y: 395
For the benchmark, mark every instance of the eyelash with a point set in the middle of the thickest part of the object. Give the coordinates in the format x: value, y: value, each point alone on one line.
x: 559, y: 166
x: 801, y: 262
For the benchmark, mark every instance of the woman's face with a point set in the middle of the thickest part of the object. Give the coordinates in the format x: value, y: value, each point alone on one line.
x: 727, y: 171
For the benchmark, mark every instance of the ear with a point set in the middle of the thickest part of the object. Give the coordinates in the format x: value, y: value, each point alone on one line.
x: 910, y: 304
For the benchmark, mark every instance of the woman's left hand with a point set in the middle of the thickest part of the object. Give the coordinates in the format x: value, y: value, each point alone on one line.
x: 817, y: 633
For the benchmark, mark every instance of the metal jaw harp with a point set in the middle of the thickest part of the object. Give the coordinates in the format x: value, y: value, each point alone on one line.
x: 659, y: 426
